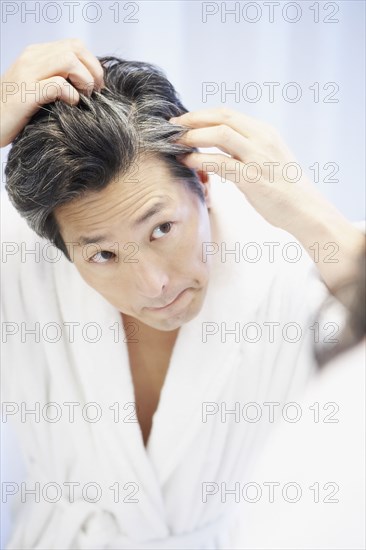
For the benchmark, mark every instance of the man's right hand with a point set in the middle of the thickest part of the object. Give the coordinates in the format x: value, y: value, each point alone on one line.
x: 38, y: 76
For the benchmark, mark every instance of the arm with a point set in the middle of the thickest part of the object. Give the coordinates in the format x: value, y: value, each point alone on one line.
x: 257, y: 165
x: 339, y: 244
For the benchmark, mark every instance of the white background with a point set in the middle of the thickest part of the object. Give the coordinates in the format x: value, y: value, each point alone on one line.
x: 196, y: 43
x: 227, y: 49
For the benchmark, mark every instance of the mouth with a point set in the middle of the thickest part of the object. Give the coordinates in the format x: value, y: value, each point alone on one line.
x: 173, y: 302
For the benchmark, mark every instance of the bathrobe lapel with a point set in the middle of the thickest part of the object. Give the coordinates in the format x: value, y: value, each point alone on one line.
x: 105, y: 378
x: 196, y: 374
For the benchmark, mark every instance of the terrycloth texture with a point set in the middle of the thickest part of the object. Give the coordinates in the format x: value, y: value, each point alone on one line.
x: 184, y: 452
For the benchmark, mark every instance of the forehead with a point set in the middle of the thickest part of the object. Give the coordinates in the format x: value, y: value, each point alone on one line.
x: 122, y: 201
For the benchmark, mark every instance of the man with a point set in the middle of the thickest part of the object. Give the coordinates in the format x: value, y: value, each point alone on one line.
x: 116, y: 183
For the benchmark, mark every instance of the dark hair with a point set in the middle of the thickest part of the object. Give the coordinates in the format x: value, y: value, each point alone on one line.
x: 65, y: 151
x: 352, y: 294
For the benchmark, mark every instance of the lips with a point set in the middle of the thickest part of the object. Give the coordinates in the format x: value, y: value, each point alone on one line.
x: 169, y: 303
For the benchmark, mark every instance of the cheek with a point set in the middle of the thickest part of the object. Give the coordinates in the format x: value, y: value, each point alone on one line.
x: 189, y: 252
x: 110, y: 281
x: 94, y: 277
x: 202, y: 234
x: 112, y: 287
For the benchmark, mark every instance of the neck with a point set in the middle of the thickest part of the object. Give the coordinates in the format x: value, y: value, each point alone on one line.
x: 148, y: 335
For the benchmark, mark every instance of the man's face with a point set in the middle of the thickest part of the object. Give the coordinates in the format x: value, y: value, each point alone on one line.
x: 141, y: 265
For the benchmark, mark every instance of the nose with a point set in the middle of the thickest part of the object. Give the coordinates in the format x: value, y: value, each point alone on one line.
x: 150, y: 277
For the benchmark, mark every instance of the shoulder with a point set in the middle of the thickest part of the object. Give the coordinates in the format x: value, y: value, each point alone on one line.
x: 26, y: 259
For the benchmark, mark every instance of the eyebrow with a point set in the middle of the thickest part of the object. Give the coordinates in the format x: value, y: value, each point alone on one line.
x: 152, y: 211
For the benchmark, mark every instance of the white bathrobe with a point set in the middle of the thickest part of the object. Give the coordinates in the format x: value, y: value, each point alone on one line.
x: 167, y: 492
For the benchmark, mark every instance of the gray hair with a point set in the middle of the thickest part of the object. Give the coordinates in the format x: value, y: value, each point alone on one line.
x: 65, y: 151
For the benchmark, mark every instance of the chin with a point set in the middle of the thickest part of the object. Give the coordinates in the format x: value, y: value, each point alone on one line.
x: 173, y: 322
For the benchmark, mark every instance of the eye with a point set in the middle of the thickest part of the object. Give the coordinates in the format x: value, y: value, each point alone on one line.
x: 99, y: 258
x: 162, y: 230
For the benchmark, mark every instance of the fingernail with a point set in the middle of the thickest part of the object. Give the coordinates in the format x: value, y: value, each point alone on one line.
x: 173, y: 120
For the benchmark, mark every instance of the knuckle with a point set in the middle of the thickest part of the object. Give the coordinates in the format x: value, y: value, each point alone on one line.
x: 77, y: 45
x: 224, y: 132
x: 52, y: 88
x: 76, y: 42
x: 265, y: 131
x: 225, y: 113
x: 58, y: 80
x: 186, y: 137
x: 69, y: 58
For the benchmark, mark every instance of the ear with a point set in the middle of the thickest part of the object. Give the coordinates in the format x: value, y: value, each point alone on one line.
x: 202, y: 175
x: 205, y: 180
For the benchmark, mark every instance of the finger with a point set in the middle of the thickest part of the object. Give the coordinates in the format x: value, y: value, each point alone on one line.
x: 78, y: 74
x: 94, y: 67
x: 247, y: 126
x: 78, y: 47
x: 57, y: 88
x: 222, y: 136
x: 68, y: 66
x: 211, y: 163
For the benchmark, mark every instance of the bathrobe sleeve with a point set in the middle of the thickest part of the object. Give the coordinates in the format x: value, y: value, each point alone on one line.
x: 27, y: 283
